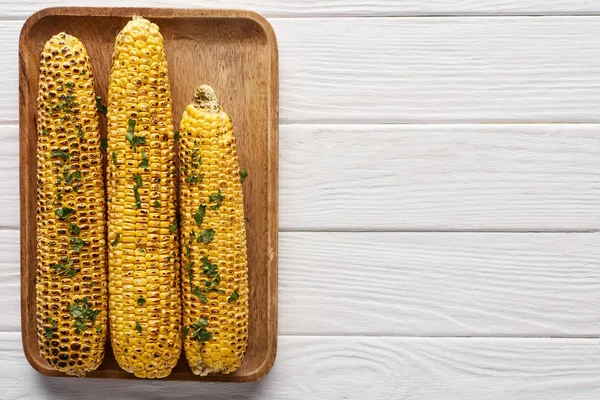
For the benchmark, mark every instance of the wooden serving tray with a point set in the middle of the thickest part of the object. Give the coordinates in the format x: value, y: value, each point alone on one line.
x: 236, y: 53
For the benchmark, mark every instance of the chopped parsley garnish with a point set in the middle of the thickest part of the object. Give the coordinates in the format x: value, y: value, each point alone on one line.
x: 72, y: 176
x: 66, y: 267
x: 144, y: 163
x: 70, y: 86
x: 188, y: 251
x: 83, y: 71
x: 172, y: 228
x: 80, y: 133
x: 216, y: 197
x: 103, y: 144
x: 199, y: 332
x: 131, y: 137
x: 82, y: 313
x: 136, y: 193
x: 234, y: 296
x: 74, y: 228
x: 206, y: 236
x: 77, y: 244
x: 98, y: 329
x: 189, y: 266
x: 45, y: 132
x: 117, y: 238
x: 138, y: 327
x: 209, y: 269
x: 200, y: 295
x: 193, y: 179
x: 49, y: 331
x: 138, y: 180
x: 199, y: 216
x: 114, y: 158
x: 156, y: 204
x: 63, y: 212
x: 66, y: 104
x: 141, y: 301
x: 176, y: 135
x: 185, y: 330
x: 101, y: 107
x: 61, y: 154
x: 52, y: 243
x: 243, y: 175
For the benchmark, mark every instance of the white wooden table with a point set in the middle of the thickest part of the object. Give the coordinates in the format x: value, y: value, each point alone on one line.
x: 439, y: 202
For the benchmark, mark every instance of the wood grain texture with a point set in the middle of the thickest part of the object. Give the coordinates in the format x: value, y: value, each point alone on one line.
x: 416, y: 284
x: 440, y: 284
x: 413, y: 177
x: 309, y: 8
x: 355, y: 368
x: 236, y: 53
x: 481, y: 177
x: 403, y: 70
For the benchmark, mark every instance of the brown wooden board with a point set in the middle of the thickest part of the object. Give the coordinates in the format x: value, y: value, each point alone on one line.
x: 236, y: 53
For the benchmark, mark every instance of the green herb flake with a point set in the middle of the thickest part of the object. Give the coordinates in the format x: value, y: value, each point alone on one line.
x: 156, y: 204
x: 209, y: 269
x: 243, y: 175
x: 72, y: 176
x: 136, y: 194
x: 65, y: 267
x: 216, y: 197
x: 63, y: 212
x: 234, y: 296
x: 80, y: 133
x: 192, y: 179
x: 83, y: 71
x: 70, y: 86
x: 114, y: 158
x: 200, y: 295
x: 52, y: 243
x: 103, y: 144
x: 172, y: 228
x: 206, y: 236
x: 74, y: 228
x: 82, y: 314
x: 189, y: 266
x: 144, y: 163
x: 176, y: 135
x: 101, y: 107
x: 138, y: 327
x: 188, y: 251
x: 45, y: 132
x: 138, y: 180
x: 77, y: 244
x: 199, y: 331
x: 199, y: 216
x: 48, y: 332
x: 117, y: 238
x: 98, y: 329
x: 61, y: 154
x: 141, y: 301
x: 185, y: 330
x: 131, y: 137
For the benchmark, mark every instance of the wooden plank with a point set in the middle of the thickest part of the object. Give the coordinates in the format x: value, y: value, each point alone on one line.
x: 440, y: 284
x: 413, y: 177
x: 359, y: 368
x: 418, y: 284
x: 482, y: 177
x: 307, y: 8
x: 415, y: 70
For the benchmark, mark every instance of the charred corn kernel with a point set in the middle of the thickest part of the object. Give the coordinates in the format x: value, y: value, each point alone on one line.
x: 144, y: 288
x: 71, y: 287
x: 213, y: 239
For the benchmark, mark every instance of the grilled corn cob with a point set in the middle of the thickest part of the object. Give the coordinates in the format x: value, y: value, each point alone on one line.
x: 71, y: 282
x: 144, y: 289
x: 213, y: 239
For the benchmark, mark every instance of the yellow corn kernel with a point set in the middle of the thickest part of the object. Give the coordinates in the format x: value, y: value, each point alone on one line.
x: 213, y: 239
x: 141, y: 194
x: 71, y: 287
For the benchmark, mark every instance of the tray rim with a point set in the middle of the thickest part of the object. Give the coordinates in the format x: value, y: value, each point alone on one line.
x: 272, y: 169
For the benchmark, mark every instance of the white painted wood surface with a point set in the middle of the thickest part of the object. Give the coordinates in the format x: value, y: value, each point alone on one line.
x: 418, y: 70
x: 359, y: 368
x: 423, y: 255
x: 311, y: 8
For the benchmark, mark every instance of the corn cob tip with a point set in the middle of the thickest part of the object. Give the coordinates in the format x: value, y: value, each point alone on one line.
x: 206, y: 99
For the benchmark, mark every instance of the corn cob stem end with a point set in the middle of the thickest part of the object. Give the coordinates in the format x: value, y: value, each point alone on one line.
x: 206, y: 99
